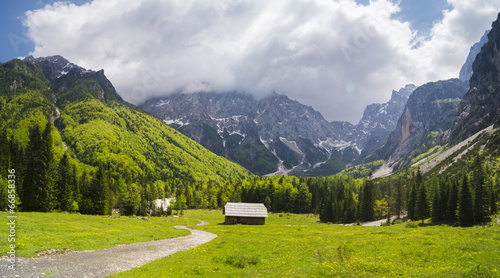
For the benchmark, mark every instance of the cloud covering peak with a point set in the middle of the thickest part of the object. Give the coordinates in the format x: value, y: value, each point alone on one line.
x: 337, y: 56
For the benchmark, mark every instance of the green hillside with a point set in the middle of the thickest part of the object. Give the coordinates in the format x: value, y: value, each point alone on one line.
x: 140, y: 155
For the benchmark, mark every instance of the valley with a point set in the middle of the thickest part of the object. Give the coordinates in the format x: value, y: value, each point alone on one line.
x: 295, y: 245
x: 82, y: 169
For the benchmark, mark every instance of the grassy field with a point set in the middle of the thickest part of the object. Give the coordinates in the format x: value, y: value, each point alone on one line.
x: 42, y: 231
x: 300, y: 246
x: 287, y: 246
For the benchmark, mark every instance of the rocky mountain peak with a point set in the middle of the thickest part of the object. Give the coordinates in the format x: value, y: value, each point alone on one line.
x: 55, y: 66
x: 429, y: 111
x: 466, y: 70
x: 480, y: 107
x: 378, y: 120
x: 67, y: 79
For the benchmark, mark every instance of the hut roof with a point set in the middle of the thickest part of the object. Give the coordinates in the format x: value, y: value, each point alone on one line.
x: 245, y: 210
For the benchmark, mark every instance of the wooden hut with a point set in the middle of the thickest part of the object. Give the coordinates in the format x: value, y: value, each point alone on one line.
x: 245, y: 213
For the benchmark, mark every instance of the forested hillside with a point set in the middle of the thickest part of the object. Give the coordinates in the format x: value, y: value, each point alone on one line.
x: 76, y: 146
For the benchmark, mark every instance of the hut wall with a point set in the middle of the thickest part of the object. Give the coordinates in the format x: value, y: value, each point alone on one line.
x: 245, y: 220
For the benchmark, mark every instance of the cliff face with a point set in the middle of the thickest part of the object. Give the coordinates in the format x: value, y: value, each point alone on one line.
x: 429, y: 112
x: 379, y: 120
x: 480, y: 107
x: 467, y: 70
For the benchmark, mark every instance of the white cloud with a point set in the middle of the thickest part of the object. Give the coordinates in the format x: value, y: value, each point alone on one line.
x: 336, y: 56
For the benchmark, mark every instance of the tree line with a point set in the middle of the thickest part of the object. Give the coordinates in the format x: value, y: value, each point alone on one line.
x: 49, y: 180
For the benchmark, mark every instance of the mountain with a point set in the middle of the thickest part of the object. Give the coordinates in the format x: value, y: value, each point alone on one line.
x: 276, y: 134
x: 466, y: 70
x: 97, y: 128
x: 429, y: 112
x: 266, y: 136
x: 55, y: 66
x: 480, y: 107
x: 379, y: 120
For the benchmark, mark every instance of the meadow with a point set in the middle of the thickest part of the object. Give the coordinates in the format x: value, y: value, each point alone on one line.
x: 38, y: 232
x: 291, y: 245
x: 288, y: 245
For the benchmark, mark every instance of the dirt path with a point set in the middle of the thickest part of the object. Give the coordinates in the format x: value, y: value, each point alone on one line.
x: 104, y: 262
x: 377, y: 222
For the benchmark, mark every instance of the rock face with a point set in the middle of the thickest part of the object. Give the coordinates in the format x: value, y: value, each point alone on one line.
x: 480, y: 107
x: 277, y: 134
x: 54, y: 67
x: 466, y: 70
x: 63, y: 74
x: 429, y: 112
x: 379, y: 120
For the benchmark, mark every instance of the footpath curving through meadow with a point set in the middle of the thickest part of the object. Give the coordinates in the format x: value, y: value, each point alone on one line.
x: 104, y: 262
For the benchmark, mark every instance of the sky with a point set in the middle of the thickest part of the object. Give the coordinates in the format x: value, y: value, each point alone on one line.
x: 335, y: 55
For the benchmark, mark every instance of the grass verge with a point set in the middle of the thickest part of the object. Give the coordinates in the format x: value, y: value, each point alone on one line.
x: 38, y: 232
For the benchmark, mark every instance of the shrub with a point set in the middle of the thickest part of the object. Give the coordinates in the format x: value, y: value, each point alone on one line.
x: 397, y: 221
x: 412, y: 224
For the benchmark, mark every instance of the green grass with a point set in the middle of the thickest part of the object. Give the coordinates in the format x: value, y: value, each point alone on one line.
x: 299, y: 246
x: 42, y: 231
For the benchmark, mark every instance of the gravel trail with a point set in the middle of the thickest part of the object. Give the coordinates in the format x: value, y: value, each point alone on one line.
x: 104, y: 262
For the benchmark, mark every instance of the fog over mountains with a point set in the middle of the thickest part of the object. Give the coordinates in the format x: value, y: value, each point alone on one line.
x: 278, y: 135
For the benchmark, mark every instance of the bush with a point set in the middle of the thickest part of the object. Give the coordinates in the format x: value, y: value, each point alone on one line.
x: 385, y: 224
x: 412, y: 224
x: 397, y: 221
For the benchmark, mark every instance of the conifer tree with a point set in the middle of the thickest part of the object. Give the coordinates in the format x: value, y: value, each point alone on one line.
x: 18, y: 162
x: 443, y: 194
x: 86, y: 204
x: 66, y: 185
x: 451, y: 212
x: 412, y: 201
x: 436, y: 201
x: 326, y: 208
x: 399, y: 199
x: 45, y: 188
x: 303, y: 199
x: 350, y: 207
x: 32, y: 177
x: 367, y: 207
x: 422, y: 209
x: 493, y: 198
x: 481, y: 202
x: 100, y: 195
x: 5, y: 160
x: 5, y: 163
x: 465, y: 206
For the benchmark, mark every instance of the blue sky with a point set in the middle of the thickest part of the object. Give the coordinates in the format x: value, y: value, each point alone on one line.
x: 14, y: 42
x: 335, y: 55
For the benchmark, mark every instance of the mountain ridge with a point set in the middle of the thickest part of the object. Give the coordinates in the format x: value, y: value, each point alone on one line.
x: 479, y: 107
x: 98, y: 128
x: 301, y: 141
